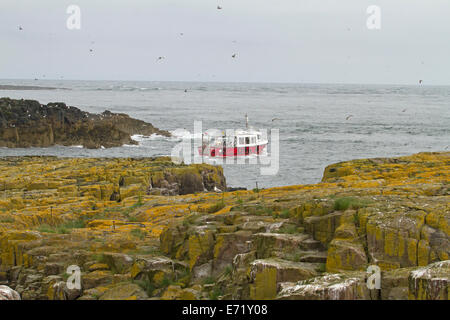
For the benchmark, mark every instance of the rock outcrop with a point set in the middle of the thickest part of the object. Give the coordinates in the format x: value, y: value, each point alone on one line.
x: 27, y: 123
x: 6, y: 293
x: 134, y: 236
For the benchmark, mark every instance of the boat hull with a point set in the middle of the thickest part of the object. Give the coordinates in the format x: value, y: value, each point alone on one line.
x: 232, y: 151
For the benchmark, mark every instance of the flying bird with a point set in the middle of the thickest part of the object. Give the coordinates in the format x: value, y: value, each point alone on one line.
x: 91, y: 50
x: 219, y: 8
x: 275, y: 119
x: 420, y: 81
x: 20, y: 28
x: 348, y: 117
x: 234, y: 55
x: 403, y: 110
x: 159, y: 58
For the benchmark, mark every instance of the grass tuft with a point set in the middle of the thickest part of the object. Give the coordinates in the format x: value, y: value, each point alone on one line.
x: 215, y: 293
x: 342, y: 204
x: 284, y: 214
x: 64, y: 228
x: 138, y: 233
x: 218, y: 206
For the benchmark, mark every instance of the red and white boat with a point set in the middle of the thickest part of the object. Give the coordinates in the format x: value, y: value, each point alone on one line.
x: 241, y: 142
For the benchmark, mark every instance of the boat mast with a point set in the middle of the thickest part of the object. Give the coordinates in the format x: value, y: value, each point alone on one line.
x: 246, y: 121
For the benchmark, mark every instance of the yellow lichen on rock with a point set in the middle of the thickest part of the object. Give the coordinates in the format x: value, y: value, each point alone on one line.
x: 145, y: 228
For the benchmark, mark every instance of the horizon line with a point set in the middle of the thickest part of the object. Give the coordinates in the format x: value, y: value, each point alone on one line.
x: 236, y: 82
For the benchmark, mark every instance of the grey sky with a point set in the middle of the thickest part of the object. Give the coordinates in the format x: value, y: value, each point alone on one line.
x: 275, y: 41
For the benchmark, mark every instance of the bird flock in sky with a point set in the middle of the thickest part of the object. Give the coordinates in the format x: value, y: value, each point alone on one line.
x: 233, y: 56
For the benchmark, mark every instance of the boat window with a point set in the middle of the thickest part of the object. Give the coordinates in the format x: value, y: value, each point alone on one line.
x: 259, y: 137
x: 253, y: 140
x: 247, y: 140
x: 217, y: 142
x: 241, y: 140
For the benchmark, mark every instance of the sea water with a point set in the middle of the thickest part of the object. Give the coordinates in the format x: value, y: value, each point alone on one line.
x: 319, y: 124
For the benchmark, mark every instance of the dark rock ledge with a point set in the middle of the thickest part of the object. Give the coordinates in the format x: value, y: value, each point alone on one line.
x: 27, y: 123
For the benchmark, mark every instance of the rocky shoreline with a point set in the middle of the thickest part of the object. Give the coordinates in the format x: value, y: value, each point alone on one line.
x: 147, y: 229
x: 25, y: 87
x: 27, y: 123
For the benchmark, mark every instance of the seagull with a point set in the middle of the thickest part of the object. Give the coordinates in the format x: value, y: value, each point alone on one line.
x: 348, y: 117
x: 234, y: 55
x: 20, y: 28
x: 420, y: 81
x: 185, y: 90
x: 219, y: 8
x: 181, y: 34
x: 275, y: 119
x: 403, y: 110
x: 91, y: 50
x: 159, y: 58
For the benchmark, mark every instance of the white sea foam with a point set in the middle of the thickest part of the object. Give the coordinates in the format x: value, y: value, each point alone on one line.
x: 140, y: 137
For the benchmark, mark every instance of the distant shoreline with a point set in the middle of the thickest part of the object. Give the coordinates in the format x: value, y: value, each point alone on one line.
x: 14, y: 87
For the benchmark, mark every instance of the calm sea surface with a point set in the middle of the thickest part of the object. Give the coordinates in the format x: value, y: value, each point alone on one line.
x: 383, y: 121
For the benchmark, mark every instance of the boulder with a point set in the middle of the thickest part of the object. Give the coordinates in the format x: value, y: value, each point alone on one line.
x: 431, y: 282
x: 265, y: 274
x: 6, y: 293
x: 176, y: 293
x: 343, y: 286
x: 117, y: 262
x: 124, y: 291
x: 152, y: 268
x: 345, y: 255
